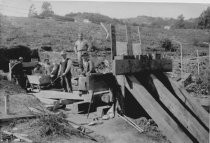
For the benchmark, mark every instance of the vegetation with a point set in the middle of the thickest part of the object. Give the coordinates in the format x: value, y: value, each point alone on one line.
x: 47, y: 9
x: 168, y: 45
x: 204, y: 19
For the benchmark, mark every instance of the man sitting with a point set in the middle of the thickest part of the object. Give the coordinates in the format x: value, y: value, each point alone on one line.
x: 88, y: 65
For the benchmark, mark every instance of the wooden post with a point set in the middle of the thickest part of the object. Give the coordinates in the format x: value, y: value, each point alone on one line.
x: 113, y: 42
x: 6, y: 103
x: 129, y: 40
x: 140, y: 48
x: 198, y: 63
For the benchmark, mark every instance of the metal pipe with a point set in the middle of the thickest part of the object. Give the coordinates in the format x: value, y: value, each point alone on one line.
x: 129, y: 122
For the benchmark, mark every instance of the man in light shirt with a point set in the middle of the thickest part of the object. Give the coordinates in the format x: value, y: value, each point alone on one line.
x: 81, y: 47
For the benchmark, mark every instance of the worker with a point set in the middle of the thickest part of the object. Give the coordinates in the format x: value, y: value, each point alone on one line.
x: 54, y: 75
x: 18, y: 73
x: 65, y: 72
x: 38, y: 70
x: 88, y: 65
x: 81, y: 46
x: 47, y: 67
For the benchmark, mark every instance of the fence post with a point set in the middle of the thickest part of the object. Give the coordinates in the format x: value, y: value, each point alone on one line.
x: 198, y: 62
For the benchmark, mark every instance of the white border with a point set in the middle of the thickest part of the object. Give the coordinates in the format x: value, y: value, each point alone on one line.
x: 153, y: 1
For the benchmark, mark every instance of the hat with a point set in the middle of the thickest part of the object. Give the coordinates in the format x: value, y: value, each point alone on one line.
x: 63, y: 53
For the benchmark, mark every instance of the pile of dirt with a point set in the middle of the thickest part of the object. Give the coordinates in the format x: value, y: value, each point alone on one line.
x: 10, y: 87
x: 151, y: 129
x: 18, y: 99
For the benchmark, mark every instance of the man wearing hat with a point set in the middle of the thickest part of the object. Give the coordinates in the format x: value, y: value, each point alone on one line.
x: 65, y: 72
x: 81, y: 46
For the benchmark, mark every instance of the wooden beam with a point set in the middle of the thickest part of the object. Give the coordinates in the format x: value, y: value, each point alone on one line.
x: 129, y: 40
x: 15, y: 117
x: 129, y: 66
x: 113, y: 41
x: 49, y: 94
x: 166, y: 124
x: 191, y: 103
x: 202, y: 101
x: 180, y: 112
x: 97, y: 82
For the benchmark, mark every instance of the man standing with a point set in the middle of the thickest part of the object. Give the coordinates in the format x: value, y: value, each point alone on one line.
x: 65, y: 72
x: 81, y: 46
x: 17, y: 72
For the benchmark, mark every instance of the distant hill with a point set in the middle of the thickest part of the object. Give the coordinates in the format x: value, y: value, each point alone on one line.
x: 149, y: 21
x: 93, y: 17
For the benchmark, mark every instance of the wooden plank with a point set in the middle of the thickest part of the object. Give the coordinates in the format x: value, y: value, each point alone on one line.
x: 129, y: 40
x: 166, y: 124
x: 180, y: 112
x: 121, y: 48
x: 113, y: 41
x: 202, y: 101
x: 15, y: 117
x: 164, y: 65
x: 129, y: 66
x: 126, y: 66
x: 192, y: 104
x: 49, y: 94
x: 97, y: 82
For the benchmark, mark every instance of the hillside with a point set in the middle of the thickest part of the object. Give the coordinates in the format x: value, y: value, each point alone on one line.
x: 60, y: 35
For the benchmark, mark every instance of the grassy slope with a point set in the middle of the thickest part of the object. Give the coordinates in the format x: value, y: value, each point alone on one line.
x: 59, y: 35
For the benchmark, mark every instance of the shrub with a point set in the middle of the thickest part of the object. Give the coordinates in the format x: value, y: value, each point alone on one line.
x: 168, y: 45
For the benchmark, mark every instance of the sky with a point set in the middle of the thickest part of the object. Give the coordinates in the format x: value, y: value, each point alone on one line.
x: 114, y: 9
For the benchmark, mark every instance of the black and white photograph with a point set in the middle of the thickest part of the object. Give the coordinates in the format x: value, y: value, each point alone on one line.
x: 106, y: 71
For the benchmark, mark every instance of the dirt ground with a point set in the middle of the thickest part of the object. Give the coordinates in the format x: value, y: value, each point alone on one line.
x: 109, y: 131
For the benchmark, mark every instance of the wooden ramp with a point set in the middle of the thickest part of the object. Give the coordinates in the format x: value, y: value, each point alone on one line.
x: 51, y: 94
x: 180, y: 117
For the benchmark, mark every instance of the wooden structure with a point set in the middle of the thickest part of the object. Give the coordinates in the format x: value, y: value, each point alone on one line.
x: 179, y: 117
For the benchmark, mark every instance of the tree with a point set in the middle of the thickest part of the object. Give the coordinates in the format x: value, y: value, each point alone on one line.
x: 204, y: 19
x: 32, y: 11
x: 180, y: 24
x: 47, y: 9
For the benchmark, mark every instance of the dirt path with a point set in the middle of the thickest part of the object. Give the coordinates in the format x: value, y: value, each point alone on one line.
x: 116, y: 130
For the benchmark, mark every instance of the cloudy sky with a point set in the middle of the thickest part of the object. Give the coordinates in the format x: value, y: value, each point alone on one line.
x: 115, y: 9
